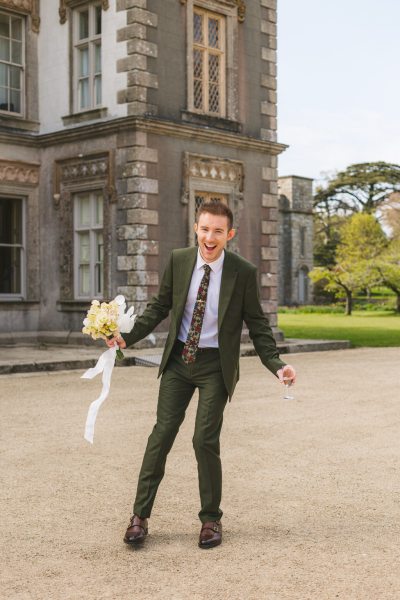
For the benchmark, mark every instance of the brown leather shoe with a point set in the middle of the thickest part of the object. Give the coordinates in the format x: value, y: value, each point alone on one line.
x: 136, y: 531
x: 210, y: 534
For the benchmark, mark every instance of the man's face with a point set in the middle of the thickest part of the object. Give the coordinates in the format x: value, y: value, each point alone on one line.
x: 212, y: 235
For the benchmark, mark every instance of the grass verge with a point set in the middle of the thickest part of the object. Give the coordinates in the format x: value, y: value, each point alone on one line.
x: 362, y: 328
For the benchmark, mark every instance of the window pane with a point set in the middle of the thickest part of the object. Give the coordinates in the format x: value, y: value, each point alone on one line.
x: 99, y: 209
x: 84, y: 93
x: 5, y: 25
x: 213, y: 75
x: 16, y: 29
x: 198, y: 94
x: 10, y: 270
x: 213, y: 68
x: 213, y: 33
x: 97, y: 58
x: 99, y: 264
x: 213, y: 102
x: 84, y: 248
x: 4, y: 49
x: 84, y: 280
x: 84, y: 62
x: 15, y: 78
x: 16, y: 52
x: 3, y: 98
x: 198, y: 64
x: 83, y: 24
x: 84, y: 211
x: 97, y: 26
x: 10, y: 221
x: 99, y: 247
x: 15, y: 101
x: 3, y: 75
x: 198, y: 28
x: 97, y: 90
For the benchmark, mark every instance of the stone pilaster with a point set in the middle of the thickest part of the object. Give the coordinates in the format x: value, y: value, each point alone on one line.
x: 269, y: 241
x: 137, y: 233
x: 269, y: 200
x: 136, y: 62
x: 137, y: 186
x: 268, y: 75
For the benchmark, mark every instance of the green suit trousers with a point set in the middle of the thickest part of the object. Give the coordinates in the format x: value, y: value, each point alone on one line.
x: 177, y: 386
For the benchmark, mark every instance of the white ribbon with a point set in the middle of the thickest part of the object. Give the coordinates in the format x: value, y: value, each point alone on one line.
x: 104, y: 365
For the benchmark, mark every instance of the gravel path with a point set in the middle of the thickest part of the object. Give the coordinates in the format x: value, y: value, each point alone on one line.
x: 311, y: 488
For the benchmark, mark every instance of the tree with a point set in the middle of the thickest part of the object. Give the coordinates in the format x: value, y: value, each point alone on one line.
x: 362, y: 240
x: 326, y: 238
x: 337, y: 279
x: 388, y: 268
x: 390, y: 211
x: 360, y: 187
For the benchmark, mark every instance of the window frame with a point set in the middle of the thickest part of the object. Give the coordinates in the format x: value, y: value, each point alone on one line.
x: 21, y: 67
x: 208, y: 51
x: 22, y: 294
x: 230, y: 107
x: 90, y: 42
x: 93, y: 229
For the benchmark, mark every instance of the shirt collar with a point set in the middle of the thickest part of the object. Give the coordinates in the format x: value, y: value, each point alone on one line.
x: 215, y: 266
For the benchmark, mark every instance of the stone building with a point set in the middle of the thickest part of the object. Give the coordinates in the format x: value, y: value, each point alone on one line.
x: 295, y: 240
x: 117, y: 119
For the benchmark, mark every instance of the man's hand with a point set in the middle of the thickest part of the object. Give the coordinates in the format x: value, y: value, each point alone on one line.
x: 287, y: 375
x: 119, y: 340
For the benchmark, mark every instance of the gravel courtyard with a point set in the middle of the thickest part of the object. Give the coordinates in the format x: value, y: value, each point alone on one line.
x: 319, y: 477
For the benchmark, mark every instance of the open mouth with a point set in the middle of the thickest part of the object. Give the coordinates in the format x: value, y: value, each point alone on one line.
x: 209, y: 248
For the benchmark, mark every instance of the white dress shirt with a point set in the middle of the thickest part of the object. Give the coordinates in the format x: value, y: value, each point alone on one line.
x: 209, y: 330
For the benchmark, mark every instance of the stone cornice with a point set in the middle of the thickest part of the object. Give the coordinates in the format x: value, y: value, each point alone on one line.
x: 149, y: 125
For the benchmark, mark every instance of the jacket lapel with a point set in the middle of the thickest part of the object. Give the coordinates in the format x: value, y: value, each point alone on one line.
x: 183, y: 279
x: 229, y: 274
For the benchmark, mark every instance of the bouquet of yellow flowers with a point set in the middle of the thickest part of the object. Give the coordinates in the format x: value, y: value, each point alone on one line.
x: 105, y: 320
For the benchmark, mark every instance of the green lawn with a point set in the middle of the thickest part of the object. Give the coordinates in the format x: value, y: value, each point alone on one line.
x: 362, y: 328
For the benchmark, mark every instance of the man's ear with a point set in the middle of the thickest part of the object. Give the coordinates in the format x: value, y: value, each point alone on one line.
x: 231, y: 234
x: 195, y: 227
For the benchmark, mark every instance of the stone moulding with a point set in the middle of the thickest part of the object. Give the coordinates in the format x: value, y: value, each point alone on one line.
x: 19, y: 173
x: 30, y: 7
x: 240, y: 4
x: 211, y: 168
x: 65, y: 4
x: 98, y: 168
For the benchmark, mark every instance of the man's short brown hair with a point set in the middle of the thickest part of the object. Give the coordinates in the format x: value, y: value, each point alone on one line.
x: 216, y: 207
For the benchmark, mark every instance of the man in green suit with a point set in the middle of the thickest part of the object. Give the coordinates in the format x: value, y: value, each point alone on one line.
x: 208, y: 293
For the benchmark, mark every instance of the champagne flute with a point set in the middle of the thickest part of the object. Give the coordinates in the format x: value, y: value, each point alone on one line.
x: 287, y: 381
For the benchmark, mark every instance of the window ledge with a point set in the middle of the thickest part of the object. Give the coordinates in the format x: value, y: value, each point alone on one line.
x: 93, y: 114
x: 17, y: 304
x: 14, y: 122
x: 211, y: 121
x: 74, y: 305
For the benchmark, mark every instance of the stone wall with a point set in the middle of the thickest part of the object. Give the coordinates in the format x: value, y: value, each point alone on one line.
x: 295, y: 240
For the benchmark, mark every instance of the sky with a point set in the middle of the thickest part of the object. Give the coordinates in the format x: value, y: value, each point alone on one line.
x: 338, y: 84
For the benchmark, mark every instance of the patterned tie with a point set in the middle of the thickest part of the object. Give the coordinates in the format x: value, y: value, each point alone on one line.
x: 192, y: 341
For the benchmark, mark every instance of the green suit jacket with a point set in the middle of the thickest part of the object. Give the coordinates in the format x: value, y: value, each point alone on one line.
x: 238, y: 301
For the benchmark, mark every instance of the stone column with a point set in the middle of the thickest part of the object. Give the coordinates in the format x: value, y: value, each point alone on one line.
x: 137, y: 163
x: 269, y: 200
x: 268, y: 75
